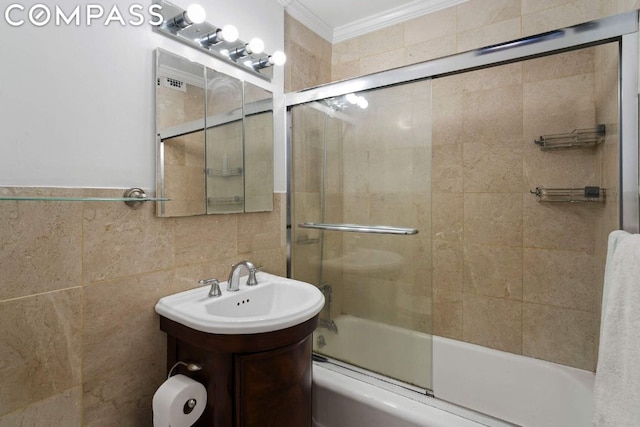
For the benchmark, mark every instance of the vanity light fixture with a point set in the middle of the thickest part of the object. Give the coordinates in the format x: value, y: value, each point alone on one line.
x: 195, y: 14
x: 189, y: 27
x: 228, y: 34
x: 277, y: 58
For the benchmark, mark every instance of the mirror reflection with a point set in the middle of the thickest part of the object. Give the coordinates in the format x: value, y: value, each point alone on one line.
x: 258, y: 148
x: 214, y: 141
x: 180, y: 135
x: 224, y: 158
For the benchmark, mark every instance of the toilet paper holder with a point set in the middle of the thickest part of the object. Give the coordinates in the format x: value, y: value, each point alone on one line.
x: 191, y: 367
x: 189, y: 405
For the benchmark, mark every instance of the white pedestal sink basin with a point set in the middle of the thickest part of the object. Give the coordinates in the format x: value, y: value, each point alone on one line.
x: 274, y: 303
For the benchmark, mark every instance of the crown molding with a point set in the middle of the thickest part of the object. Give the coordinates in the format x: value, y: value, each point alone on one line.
x: 367, y: 24
x: 307, y: 18
x: 391, y: 17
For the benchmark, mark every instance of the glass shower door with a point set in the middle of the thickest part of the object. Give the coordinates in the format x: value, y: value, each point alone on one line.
x: 361, y: 225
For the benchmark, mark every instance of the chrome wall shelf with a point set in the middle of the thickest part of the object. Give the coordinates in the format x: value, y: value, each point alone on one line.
x: 133, y: 197
x: 579, y: 138
x: 574, y: 195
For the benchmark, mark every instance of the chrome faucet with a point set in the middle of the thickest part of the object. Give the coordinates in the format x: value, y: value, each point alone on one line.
x: 233, y: 284
x: 215, y: 286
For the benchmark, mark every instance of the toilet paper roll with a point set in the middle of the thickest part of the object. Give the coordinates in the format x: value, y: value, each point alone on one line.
x: 171, y: 402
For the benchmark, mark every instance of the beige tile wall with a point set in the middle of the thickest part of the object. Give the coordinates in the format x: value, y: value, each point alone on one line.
x: 80, y: 341
x: 509, y: 272
x: 309, y: 57
x: 468, y: 26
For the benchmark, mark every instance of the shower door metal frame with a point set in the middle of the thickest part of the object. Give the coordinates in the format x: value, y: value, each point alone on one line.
x: 629, y: 121
x: 622, y: 28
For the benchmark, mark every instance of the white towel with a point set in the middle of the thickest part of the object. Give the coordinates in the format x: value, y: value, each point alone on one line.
x: 617, y: 384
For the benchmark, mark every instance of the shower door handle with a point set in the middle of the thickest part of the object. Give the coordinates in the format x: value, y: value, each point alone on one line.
x: 356, y: 228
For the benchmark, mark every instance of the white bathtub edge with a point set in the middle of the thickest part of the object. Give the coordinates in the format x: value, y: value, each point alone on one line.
x: 408, y: 405
x: 514, y: 379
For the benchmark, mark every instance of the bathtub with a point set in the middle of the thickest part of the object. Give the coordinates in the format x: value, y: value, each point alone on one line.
x: 473, y: 385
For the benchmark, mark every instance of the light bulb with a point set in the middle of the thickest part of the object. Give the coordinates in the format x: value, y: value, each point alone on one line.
x: 196, y: 14
x: 362, y: 103
x: 255, y: 46
x: 229, y: 33
x: 278, y: 58
x: 352, y: 98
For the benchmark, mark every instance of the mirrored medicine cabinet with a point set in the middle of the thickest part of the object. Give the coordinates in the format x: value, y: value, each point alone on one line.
x: 214, y: 136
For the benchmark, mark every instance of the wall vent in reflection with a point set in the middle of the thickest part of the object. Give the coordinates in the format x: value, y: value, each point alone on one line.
x: 173, y: 84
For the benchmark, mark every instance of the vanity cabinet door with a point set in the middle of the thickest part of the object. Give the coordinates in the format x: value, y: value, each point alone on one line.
x: 255, y: 380
x: 273, y: 388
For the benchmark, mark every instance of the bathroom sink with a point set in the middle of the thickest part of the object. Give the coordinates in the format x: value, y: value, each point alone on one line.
x: 274, y: 303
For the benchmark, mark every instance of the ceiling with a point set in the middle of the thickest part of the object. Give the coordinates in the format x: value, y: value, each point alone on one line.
x: 339, y: 20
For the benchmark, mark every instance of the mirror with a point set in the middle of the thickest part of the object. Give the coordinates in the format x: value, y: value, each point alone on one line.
x: 214, y: 141
x: 224, y: 153
x: 258, y: 143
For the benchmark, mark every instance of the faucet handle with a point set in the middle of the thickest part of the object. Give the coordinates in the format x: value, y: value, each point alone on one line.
x: 215, y: 286
x: 252, y: 281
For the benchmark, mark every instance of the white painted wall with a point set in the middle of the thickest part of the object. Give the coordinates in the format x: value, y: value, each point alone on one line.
x: 77, y: 102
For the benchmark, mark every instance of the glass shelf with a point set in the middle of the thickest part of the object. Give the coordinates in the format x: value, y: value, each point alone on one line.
x: 217, y: 201
x: 83, y: 199
x: 133, y: 197
x: 224, y: 172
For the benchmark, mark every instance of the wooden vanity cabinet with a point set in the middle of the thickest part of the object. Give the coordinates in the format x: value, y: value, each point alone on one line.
x: 254, y: 380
